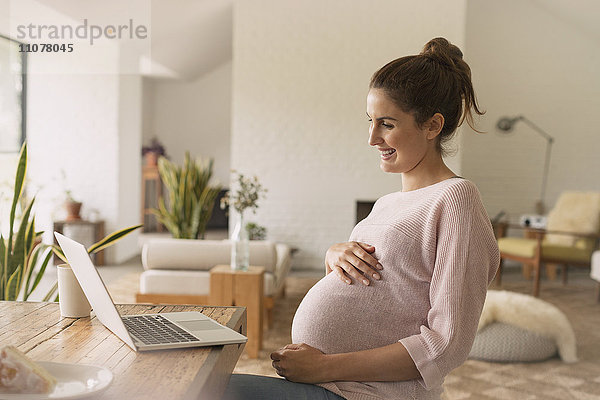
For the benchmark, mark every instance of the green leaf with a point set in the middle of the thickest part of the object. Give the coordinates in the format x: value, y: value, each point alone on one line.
x: 30, y: 235
x: 20, y: 176
x: 59, y: 253
x: 11, y: 286
x: 39, y: 275
x: 20, y: 251
x: 52, y: 290
x: 113, y: 237
x: 2, y: 265
x: 195, y: 222
x: 167, y: 219
x: 31, y: 263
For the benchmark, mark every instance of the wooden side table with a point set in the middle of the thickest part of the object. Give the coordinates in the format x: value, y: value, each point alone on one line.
x: 241, y: 288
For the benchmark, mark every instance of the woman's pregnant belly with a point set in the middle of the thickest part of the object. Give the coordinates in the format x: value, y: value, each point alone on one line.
x: 335, y: 317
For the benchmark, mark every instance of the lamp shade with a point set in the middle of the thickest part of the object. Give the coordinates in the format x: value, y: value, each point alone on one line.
x: 506, y: 124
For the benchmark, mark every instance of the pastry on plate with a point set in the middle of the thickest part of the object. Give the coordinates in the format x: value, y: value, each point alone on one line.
x: 20, y: 374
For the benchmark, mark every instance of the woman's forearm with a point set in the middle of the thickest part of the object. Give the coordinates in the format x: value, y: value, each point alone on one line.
x: 388, y: 363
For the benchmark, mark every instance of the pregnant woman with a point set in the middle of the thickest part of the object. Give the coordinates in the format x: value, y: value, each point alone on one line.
x: 399, y: 306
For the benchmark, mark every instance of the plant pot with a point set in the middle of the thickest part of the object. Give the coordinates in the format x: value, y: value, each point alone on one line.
x: 151, y: 158
x: 73, y: 209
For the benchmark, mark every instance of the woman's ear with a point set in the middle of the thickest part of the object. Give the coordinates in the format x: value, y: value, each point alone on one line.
x: 435, y: 125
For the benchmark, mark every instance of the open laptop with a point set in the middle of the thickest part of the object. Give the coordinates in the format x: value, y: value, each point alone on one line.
x: 146, y: 331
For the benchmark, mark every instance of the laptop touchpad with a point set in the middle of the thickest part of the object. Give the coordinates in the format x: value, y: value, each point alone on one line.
x: 199, y: 325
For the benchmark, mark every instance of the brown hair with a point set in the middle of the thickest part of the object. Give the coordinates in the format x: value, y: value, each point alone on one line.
x: 437, y: 80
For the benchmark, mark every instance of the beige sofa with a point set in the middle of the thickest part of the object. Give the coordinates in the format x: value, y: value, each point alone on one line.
x: 177, y: 271
x: 595, y: 272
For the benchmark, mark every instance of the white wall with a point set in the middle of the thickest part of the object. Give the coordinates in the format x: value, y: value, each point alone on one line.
x: 76, y: 133
x: 530, y: 62
x: 192, y: 116
x: 130, y: 139
x: 91, y: 131
x: 300, y: 78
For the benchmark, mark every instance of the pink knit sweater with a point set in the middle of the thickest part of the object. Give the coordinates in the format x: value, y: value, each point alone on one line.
x: 438, y: 253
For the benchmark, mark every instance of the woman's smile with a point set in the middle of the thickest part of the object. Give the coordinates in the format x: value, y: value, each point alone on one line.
x: 387, y: 154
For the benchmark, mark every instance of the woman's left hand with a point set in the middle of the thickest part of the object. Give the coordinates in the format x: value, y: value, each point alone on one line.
x: 299, y: 363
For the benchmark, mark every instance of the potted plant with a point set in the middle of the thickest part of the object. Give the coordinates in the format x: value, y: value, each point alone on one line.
x: 191, y: 197
x: 23, y: 250
x: 255, y: 231
x: 246, y: 196
x: 73, y: 207
x: 153, y: 152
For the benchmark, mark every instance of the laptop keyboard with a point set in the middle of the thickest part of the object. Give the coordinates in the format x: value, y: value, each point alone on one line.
x: 154, y: 329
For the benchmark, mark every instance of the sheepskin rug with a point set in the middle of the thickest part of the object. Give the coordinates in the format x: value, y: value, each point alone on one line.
x: 532, y: 314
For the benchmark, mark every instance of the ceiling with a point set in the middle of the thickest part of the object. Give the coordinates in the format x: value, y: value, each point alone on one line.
x: 192, y: 37
x: 189, y: 37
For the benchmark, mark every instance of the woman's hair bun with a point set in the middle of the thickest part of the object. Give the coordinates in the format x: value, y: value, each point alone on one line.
x: 440, y: 47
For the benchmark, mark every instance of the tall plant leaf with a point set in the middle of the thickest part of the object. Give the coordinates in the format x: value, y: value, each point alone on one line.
x: 195, y: 221
x: 19, y: 179
x: 52, y: 290
x: 191, y: 198
x: 167, y: 219
x: 38, y: 277
x: 31, y: 234
x: 20, y: 252
x: 2, y: 266
x: 11, y: 287
x: 108, y: 240
x: 58, y: 253
x: 31, y: 263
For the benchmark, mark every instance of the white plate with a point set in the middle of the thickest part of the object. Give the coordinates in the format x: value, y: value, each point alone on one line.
x: 74, y: 381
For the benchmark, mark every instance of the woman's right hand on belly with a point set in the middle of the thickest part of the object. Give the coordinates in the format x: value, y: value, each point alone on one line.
x: 353, y: 260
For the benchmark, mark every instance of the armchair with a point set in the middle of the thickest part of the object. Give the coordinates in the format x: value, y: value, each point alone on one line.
x: 572, y: 234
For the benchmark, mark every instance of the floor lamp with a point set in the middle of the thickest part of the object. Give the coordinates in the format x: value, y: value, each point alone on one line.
x: 506, y: 124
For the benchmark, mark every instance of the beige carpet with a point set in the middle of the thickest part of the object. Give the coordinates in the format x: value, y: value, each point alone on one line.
x: 551, y: 379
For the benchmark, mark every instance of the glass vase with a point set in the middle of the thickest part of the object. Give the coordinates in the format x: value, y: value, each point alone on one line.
x: 240, y: 250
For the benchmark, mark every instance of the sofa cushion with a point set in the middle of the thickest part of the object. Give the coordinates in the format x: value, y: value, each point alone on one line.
x: 195, y: 283
x: 526, y: 248
x: 189, y: 254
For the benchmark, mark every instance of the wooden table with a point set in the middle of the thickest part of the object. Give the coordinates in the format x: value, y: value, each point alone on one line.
x: 241, y: 288
x: 38, y: 330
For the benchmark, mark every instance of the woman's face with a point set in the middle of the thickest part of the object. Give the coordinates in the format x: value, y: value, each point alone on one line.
x: 402, y: 144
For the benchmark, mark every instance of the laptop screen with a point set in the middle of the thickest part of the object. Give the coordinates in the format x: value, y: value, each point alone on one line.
x: 94, y: 287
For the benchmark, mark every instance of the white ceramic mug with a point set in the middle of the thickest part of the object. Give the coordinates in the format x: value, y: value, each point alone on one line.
x: 72, y: 300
